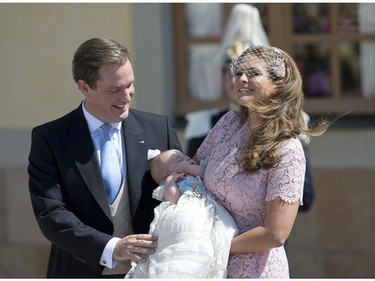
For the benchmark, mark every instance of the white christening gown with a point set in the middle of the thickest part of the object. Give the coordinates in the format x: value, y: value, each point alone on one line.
x: 194, y: 236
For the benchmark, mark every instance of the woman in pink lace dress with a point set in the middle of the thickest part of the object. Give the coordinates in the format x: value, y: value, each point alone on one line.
x: 256, y: 163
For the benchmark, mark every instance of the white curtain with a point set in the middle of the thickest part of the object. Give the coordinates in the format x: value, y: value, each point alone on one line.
x: 201, y: 83
x: 366, y: 17
x: 203, y: 19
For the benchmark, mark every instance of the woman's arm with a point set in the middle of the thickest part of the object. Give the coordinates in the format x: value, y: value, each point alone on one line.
x: 193, y: 170
x: 279, y: 220
x: 195, y: 158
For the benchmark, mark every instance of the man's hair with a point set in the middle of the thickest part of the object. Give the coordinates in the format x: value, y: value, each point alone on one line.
x: 94, y: 53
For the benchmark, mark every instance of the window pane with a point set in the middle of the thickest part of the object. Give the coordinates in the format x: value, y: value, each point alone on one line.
x: 356, y: 18
x: 348, y: 18
x: 311, y: 18
x: 203, y: 83
x: 349, y: 62
x: 367, y: 68
x: 313, y: 61
x: 204, y: 20
x: 366, y: 12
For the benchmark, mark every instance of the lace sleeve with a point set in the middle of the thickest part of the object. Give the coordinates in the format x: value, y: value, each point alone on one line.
x: 286, y: 180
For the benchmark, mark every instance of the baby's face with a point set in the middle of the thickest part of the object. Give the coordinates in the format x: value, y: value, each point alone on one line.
x: 176, y: 158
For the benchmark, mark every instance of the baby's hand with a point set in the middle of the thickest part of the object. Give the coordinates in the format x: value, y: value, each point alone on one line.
x: 175, y: 176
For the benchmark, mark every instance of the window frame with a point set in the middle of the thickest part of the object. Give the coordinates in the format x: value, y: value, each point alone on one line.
x: 280, y: 33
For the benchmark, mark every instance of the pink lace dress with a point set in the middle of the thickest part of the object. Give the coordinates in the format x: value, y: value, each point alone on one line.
x: 245, y: 195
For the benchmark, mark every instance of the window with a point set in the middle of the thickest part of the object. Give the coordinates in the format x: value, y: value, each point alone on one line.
x: 332, y: 43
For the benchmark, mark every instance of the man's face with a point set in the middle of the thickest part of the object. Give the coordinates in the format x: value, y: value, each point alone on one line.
x: 110, y: 101
x: 229, y: 85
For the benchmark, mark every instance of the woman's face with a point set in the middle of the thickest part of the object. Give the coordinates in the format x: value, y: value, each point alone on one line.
x: 251, y: 80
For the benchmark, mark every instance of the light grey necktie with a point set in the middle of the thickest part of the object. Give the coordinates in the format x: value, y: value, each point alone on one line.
x: 110, y: 166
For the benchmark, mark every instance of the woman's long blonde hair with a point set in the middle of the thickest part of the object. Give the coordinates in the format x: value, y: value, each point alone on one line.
x: 280, y: 113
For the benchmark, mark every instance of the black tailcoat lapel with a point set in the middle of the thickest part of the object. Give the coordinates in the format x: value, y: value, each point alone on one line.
x: 136, y: 158
x: 80, y: 145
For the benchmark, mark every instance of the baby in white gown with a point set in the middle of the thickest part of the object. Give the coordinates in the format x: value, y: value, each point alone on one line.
x: 194, y: 231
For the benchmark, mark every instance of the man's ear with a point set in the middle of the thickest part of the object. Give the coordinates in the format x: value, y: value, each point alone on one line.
x: 83, y: 87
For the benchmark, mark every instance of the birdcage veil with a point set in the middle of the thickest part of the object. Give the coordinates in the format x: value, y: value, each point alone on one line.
x: 260, y: 60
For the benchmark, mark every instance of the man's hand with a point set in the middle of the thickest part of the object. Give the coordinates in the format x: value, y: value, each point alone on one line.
x: 136, y: 247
